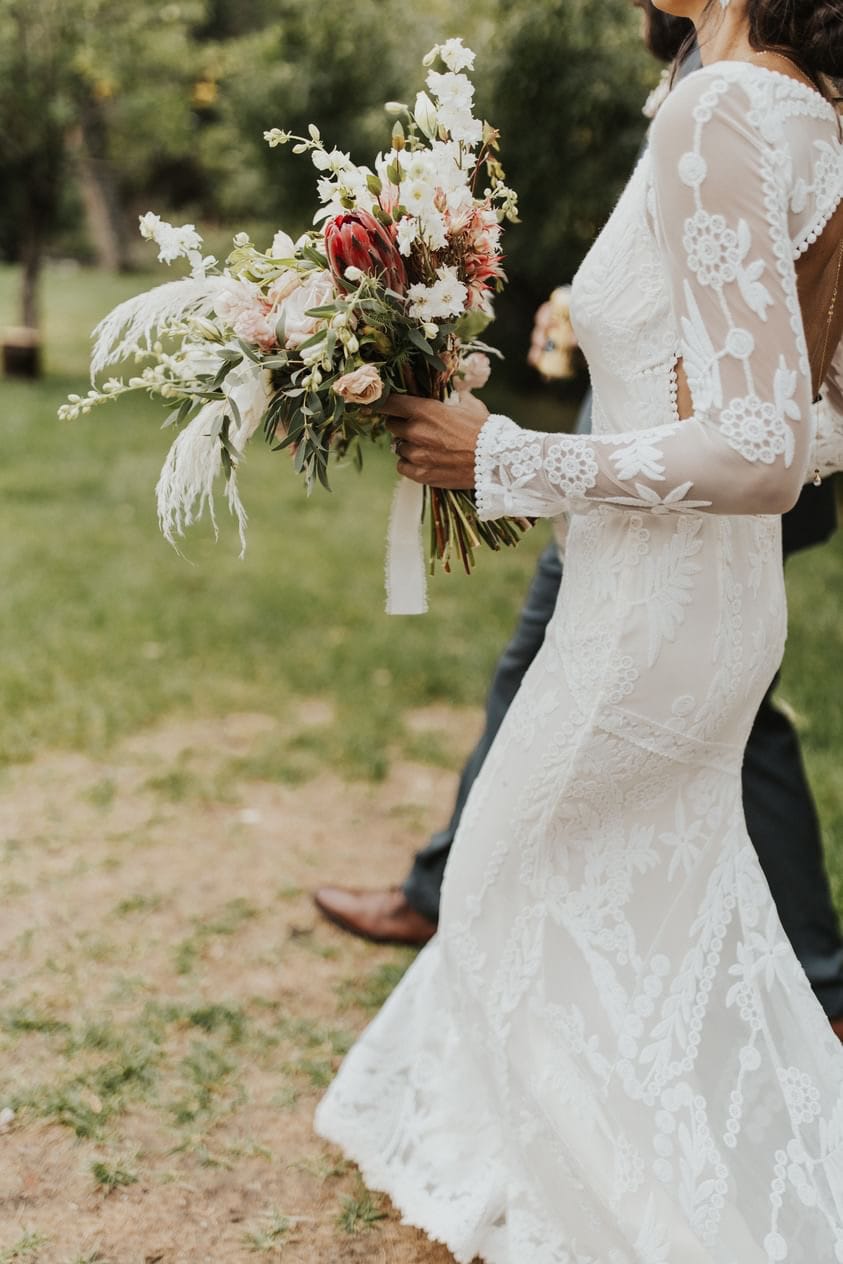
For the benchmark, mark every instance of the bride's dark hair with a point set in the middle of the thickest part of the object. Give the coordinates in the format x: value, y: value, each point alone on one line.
x: 664, y: 34
x: 810, y: 32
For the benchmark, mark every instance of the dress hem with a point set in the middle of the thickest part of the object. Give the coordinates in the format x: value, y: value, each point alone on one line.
x: 375, y: 1176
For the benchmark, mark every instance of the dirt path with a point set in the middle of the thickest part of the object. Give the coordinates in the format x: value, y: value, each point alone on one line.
x: 171, y: 1006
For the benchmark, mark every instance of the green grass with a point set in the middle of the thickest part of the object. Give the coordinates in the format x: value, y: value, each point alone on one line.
x: 105, y: 629
x: 27, y: 1248
x: 360, y: 1211
x: 111, y: 1178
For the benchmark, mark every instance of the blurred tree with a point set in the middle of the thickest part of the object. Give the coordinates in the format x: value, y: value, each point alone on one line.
x: 66, y: 69
x: 337, y: 71
x: 566, y: 87
x: 34, y: 116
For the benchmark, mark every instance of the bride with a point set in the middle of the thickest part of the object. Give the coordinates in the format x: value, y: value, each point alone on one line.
x: 610, y: 1054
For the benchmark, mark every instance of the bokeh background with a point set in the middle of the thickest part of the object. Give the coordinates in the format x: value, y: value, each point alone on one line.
x: 188, y: 746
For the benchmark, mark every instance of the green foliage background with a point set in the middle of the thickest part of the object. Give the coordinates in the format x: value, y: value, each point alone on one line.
x: 176, y: 97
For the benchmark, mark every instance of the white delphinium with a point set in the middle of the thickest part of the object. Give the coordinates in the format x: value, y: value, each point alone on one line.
x: 406, y: 233
x: 349, y: 187
x: 175, y: 243
x: 454, y: 97
x: 334, y: 161
x: 275, y: 137
x: 453, y: 53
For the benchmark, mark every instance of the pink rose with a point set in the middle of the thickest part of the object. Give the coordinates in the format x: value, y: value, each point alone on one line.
x: 253, y: 326
x: 474, y: 371
x: 317, y: 290
x: 361, y: 386
x: 285, y: 284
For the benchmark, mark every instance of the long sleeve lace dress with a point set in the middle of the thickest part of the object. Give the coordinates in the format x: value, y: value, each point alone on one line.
x: 610, y: 1054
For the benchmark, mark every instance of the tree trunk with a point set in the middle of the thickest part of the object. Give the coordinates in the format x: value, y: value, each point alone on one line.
x: 22, y: 347
x: 32, y: 259
x: 99, y: 189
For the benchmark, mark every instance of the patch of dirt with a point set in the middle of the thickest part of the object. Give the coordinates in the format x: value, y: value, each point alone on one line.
x: 172, y: 1006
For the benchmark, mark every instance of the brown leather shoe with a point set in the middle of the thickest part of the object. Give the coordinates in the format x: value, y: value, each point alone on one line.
x: 384, y: 917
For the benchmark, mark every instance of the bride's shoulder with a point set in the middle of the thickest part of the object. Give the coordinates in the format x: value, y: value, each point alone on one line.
x: 721, y: 93
x: 737, y: 96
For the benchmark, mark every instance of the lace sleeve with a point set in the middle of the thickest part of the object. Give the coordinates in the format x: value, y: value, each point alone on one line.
x: 722, y: 210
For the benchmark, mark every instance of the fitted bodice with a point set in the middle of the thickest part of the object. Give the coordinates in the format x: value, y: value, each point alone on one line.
x: 621, y: 312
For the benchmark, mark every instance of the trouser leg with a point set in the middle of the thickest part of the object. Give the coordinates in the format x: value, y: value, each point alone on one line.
x: 424, y: 881
x: 783, y: 825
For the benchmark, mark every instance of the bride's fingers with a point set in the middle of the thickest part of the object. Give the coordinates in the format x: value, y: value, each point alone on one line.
x: 415, y: 473
x: 399, y: 405
x: 414, y: 431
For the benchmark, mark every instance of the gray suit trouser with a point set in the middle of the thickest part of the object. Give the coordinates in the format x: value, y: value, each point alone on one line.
x: 778, y: 805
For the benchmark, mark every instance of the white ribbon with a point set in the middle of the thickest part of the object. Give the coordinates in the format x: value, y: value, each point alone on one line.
x: 406, y: 580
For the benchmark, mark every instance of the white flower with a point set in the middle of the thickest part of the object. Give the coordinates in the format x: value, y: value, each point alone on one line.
x: 453, y: 53
x: 172, y: 242
x: 454, y: 95
x: 424, y: 113
x: 454, y: 91
x: 241, y: 239
x: 335, y: 161
x: 450, y: 292
x: 417, y: 196
x: 421, y: 301
x: 283, y: 246
x: 433, y: 229
x: 406, y: 234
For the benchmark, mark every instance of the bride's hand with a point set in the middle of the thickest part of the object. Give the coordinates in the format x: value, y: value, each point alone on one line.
x: 435, y: 442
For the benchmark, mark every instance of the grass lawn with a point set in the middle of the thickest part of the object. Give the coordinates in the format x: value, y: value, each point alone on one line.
x: 186, y: 748
x: 105, y: 628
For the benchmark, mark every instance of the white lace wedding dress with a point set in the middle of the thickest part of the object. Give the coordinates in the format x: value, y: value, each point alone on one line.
x: 610, y: 1054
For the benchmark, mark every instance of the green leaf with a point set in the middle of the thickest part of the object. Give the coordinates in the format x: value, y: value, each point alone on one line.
x: 418, y: 339
x: 471, y: 324
x: 319, y: 336
x: 320, y: 260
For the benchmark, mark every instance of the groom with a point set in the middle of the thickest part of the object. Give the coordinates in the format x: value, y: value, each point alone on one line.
x: 779, y: 808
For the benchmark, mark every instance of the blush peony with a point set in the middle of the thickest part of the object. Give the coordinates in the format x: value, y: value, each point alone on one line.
x: 474, y: 372
x: 316, y: 290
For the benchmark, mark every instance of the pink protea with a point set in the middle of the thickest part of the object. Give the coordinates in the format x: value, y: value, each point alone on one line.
x: 356, y: 239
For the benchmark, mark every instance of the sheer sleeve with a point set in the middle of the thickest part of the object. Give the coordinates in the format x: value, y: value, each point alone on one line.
x: 722, y: 213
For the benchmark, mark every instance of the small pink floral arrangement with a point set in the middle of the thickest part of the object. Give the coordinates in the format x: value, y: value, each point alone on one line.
x: 390, y: 291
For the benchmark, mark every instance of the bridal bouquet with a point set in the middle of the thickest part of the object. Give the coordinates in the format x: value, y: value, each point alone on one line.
x: 390, y: 291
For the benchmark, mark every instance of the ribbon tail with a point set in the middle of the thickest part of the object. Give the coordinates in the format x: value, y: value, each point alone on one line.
x: 406, y: 581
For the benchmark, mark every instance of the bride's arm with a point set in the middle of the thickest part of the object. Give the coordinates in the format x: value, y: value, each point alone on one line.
x: 722, y: 208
